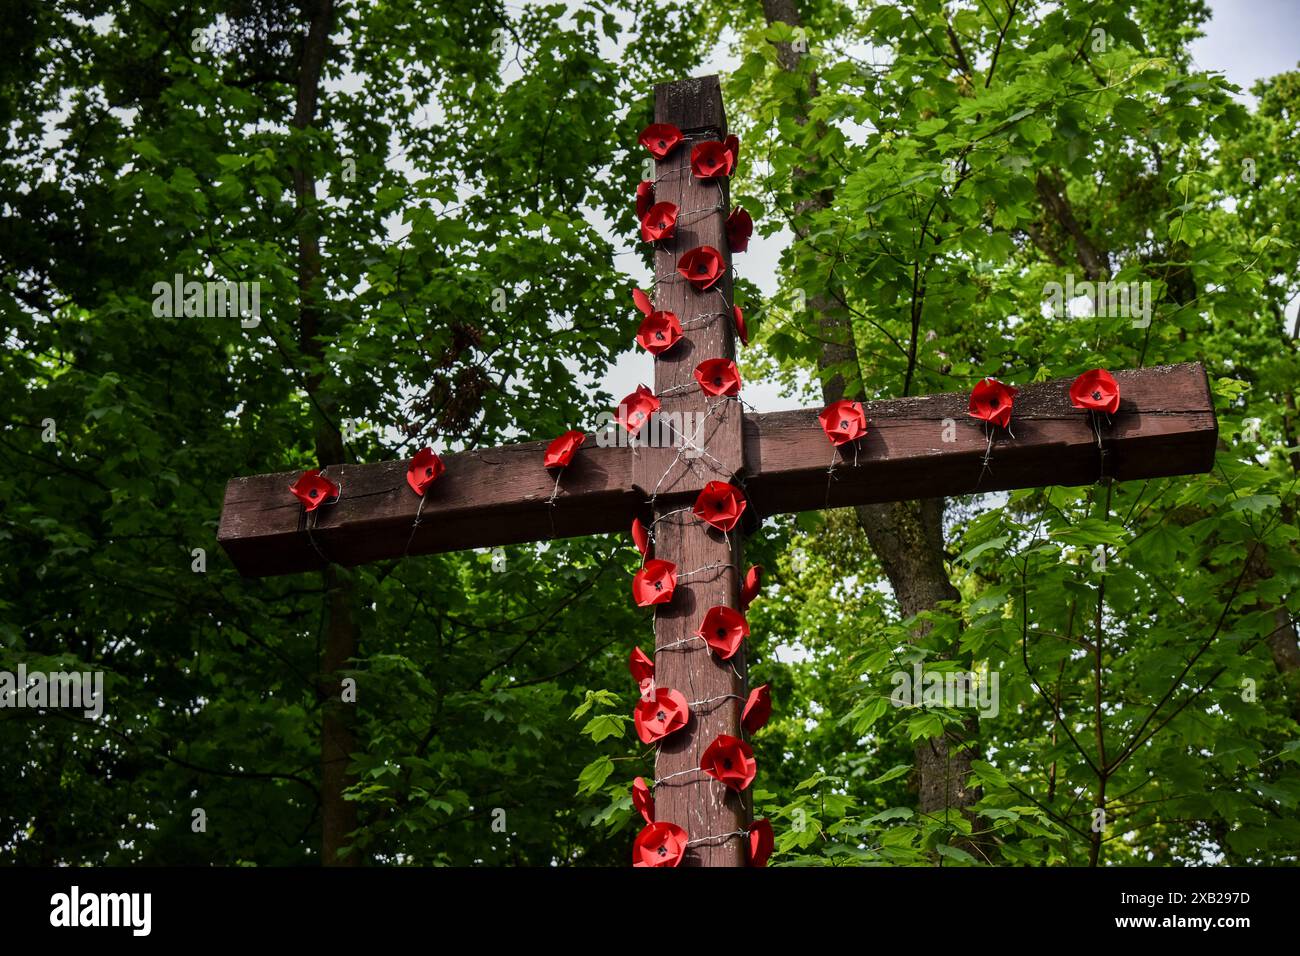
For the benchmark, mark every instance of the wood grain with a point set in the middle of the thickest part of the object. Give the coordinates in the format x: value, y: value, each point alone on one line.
x: 700, y: 804
x: 486, y: 498
x: 930, y: 447
x: 1165, y: 426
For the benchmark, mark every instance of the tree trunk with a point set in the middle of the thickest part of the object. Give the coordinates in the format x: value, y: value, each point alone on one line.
x: 338, y: 816
x: 907, y: 536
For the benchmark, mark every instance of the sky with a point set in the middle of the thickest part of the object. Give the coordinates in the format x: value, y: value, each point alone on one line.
x: 1246, y: 40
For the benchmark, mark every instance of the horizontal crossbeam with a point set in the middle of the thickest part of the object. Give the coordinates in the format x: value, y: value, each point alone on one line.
x: 915, y: 448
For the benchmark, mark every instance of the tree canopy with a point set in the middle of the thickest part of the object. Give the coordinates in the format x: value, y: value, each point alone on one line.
x: 435, y: 198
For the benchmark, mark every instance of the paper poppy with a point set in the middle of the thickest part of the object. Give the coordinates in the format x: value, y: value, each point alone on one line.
x: 723, y: 629
x: 740, y: 227
x: 559, y: 453
x: 730, y: 761
x: 659, y: 332
x: 641, y: 667
x: 635, y: 410
x: 991, y: 401
x: 749, y: 591
x: 702, y: 266
x: 654, y: 583
x: 761, y: 842
x: 660, y: 138
x: 732, y: 144
x: 659, y: 844
x: 313, y: 489
x: 642, y: 302
x: 843, y: 421
x: 757, y: 709
x: 740, y: 324
x: 642, y: 799
x: 640, y: 537
x: 718, y: 376
x: 424, y: 470
x: 659, y: 716
x: 711, y: 158
x: 1096, y: 391
x: 659, y: 222
x: 645, y: 197
x: 720, y: 504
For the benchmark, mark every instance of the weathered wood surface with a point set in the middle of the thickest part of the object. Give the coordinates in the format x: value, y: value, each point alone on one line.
x: 1165, y: 426
x: 695, y: 107
x: 700, y: 804
x: 486, y: 498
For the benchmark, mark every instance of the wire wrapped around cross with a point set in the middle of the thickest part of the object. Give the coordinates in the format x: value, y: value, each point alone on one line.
x: 662, y: 711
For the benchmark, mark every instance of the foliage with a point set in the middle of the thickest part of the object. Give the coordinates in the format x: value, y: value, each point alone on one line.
x: 493, y: 150
x: 918, y: 178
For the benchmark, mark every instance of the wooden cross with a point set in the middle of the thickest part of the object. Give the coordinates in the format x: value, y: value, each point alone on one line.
x: 915, y: 448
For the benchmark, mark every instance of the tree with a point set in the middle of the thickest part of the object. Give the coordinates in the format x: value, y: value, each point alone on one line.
x: 933, y: 192
x: 433, y: 243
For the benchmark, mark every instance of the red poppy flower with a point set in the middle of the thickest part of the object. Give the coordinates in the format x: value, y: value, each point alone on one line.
x: 660, y: 138
x: 635, y: 410
x: 654, y: 583
x: 720, y: 504
x: 731, y: 761
x: 718, y: 376
x: 740, y: 324
x: 740, y: 226
x: 640, y: 537
x: 659, y: 716
x: 424, y: 469
x: 711, y: 158
x: 1096, y: 391
x: 640, y: 665
x: 732, y: 145
x: 757, y: 709
x: 659, y: 222
x: 560, y: 452
x: 753, y: 581
x: 659, y: 844
x: 642, y: 302
x: 313, y: 489
x: 645, y: 197
x: 843, y: 421
x: 991, y: 401
x: 642, y: 799
x: 659, y: 332
x: 761, y: 842
x: 702, y: 266
x: 723, y: 629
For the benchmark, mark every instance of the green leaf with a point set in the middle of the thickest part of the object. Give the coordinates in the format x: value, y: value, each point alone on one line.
x: 955, y: 853
x: 892, y: 774
x: 922, y: 726
x: 894, y: 813
x: 967, y: 556
x: 595, y: 774
x: 988, y: 774
x: 1257, y: 504
x: 604, y: 726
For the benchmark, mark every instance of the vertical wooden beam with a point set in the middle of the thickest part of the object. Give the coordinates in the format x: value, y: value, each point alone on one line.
x: 700, y: 804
